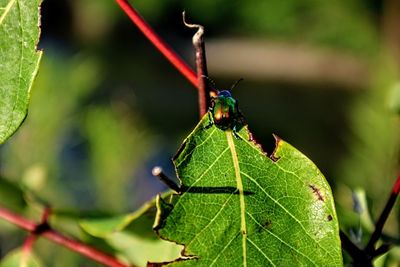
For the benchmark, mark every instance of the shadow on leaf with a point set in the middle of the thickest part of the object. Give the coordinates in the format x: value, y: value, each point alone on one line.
x: 212, y: 190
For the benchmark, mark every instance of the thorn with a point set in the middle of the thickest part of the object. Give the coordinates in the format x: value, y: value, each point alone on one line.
x: 158, y: 171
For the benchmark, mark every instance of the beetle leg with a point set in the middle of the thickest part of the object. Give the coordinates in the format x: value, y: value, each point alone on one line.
x: 211, y: 121
x: 235, y: 134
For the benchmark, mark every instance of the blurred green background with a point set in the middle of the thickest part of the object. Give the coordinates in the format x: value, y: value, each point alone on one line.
x: 106, y: 106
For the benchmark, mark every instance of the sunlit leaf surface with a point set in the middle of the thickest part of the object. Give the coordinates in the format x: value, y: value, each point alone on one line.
x: 19, y: 60
x: 132, y: 237
x: 20, y: 258
x: 242, y: 208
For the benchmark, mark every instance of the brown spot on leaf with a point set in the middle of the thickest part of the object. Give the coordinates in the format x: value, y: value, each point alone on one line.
x: 255, y: 142
x: 264, y: 225
x: 251, y: 137
x: 165, y: 263
x: 155, y: 264
x: 273, y: 155
x: 267, y: 224
x: 317, y: 192
x: 329, y: 218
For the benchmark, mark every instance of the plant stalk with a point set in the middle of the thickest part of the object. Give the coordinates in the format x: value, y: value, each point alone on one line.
x: 161, y: 46
x: 58, y: 238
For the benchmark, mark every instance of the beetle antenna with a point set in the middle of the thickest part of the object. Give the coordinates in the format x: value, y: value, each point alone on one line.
x: 211, y: 81
x: 236, y: 83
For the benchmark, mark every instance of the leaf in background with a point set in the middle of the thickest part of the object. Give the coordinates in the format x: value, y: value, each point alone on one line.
x: 373, y: 141
x: 240, y: 208
x: 11, y: 195
x: 132, y: 237
x: 394, y: 97
x: 19, y: 61
x: 118, y: 143
x: 46, y: 134
x: 19, y: 258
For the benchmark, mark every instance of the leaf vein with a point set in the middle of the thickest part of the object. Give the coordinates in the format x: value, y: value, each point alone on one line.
x: 213, y: 219
x: 197, y: 146
x: 281, y: 240
x: 6, y: 10
x: 227, y: 245
x: 204, y: 173
x: 11, y: 119
x: 265, y: 256
x: 243, y: 227
x: 288, y: 212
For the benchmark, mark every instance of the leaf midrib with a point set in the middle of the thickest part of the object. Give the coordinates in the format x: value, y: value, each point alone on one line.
x: 243, y: 228
x: 7, y: 10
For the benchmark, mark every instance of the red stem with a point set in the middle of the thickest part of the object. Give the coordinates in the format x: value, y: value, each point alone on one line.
x: 30, y: 240
x: 56, y: 237
x: 153, y: 37
x: 396, y: 187
x: 28, y: 243
x: 17, y: 220
x: 380, y: 223
x: 83, y: 249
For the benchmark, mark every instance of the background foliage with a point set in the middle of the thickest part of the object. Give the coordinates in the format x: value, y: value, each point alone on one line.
x: 97, y: 117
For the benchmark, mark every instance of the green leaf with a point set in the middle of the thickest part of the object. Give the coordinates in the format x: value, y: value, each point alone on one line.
x: 363, y: 210
x: 132, y: 237
x: 11, y: 195
x: 18, y: 258
x: 394, y: 99
x: 241, y: 208
x: 103, y: 226
x: 19, y: 60
x: 139, y: 250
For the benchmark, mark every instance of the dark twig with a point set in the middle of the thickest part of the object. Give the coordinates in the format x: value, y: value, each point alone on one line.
x: 157, y: 171
x: 382, y: 249
x: 360, y: 258
x: 56, y: 237
x: 39, y: 229
x: 365, y: 257
x: 162, y: 46
x: 349, y: 246
x: 201, y: 66
x: 370, y: 248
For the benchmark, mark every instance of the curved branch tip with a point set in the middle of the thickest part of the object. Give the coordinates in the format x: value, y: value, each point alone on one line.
x: 200, y: 29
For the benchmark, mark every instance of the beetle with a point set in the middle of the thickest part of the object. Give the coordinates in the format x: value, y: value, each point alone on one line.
x: 224, y: 111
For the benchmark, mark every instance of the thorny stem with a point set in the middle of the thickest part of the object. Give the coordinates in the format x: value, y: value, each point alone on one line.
x: 201, y: 66
x: 155, y: 39
x: 58, y: 238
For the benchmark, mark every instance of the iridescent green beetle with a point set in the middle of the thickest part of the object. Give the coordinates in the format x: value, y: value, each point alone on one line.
x: 224, y: 111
